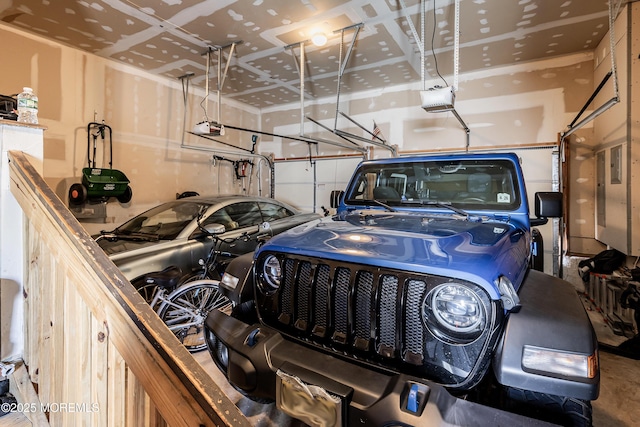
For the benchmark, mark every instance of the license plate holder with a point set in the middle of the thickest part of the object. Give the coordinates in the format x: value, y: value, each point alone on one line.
x: 313, y: 399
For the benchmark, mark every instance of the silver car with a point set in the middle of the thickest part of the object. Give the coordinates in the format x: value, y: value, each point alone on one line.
x: 168, y: 234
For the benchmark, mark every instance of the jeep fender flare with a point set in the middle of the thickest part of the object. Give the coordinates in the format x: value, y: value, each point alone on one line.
x: 547, y: 302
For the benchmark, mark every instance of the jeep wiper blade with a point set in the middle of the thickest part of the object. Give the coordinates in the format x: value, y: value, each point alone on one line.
x: 384, y: 205
x: 439, y: 205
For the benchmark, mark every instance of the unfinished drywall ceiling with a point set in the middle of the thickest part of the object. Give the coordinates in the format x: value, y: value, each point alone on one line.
x: 169, y: 37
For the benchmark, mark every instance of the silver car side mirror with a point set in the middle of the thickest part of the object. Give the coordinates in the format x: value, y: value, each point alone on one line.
x: 215, y: 228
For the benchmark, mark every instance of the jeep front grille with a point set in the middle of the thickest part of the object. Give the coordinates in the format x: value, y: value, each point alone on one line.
x: 371, y: 314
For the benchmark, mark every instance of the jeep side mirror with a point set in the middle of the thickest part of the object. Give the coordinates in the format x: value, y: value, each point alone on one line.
x: 336, y: 196
x: 548, y: 204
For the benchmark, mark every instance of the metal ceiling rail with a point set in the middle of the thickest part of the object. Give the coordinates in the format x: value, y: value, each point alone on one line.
x: 331, y: 130
x: 301, y: 138
x: 300, y: 67
x: 342, y: 65
x: 573, y: 126
x: 346, y: 136
x: 185, y: 79
x: 221, y: 76
x: 210, y: 138
x: 241, y: 152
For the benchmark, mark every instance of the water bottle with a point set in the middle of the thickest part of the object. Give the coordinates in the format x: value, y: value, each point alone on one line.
x: 28, y: 106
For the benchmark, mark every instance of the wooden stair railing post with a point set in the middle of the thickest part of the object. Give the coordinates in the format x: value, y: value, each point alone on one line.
x: 96, y: 341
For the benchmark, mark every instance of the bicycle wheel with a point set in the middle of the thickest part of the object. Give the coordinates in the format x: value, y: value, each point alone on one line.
x: 185, y: 309
x: 192, y: 277
x: 201, y: 275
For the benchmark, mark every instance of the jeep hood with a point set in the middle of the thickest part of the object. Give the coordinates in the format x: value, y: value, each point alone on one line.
x: 447, y: 245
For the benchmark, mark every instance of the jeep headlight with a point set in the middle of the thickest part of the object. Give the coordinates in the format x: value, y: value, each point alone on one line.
x: 454, y: 313
x: 271, y: 274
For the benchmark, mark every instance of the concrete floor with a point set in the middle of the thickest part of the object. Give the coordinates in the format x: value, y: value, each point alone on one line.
x: 619, y: 401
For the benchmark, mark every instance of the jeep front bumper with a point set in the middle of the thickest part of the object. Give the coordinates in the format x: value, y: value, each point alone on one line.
x: 321, y: 389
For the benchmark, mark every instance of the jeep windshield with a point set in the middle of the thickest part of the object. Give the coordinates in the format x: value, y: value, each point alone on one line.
x: 469, y: 184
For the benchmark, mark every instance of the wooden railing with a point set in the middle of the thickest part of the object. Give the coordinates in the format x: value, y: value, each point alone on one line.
x: 96, y: 351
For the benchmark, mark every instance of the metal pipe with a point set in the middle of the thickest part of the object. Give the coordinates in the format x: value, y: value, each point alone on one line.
x: 293, y: 138
x: 359, y: 138
x: 373, y: 135
x: 464, y: 126
x: 206, y: 85
x: 235, y: 153
x: 184, y: 79
x: 610, y: 103
x: 301, y: 71
x: 219, y: 86
x: 419, y: 41
x: 353, y: 42
x: 337, y: 144
x: 221, y: 142
x: 342, y: 63
x: 456, y: 44
x: 335, y: 123
x: 330, y: 130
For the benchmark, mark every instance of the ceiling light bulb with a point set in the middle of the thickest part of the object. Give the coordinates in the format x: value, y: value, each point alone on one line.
x: 319, y: 39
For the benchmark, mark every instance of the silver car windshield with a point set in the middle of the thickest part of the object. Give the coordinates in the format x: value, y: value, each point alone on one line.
x: 163, y: 222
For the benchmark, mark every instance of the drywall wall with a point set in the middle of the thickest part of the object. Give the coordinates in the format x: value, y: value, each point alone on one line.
x: 146, y: 113
x: 522, y: 105
x: 616, y: 136
x: 515, y: 105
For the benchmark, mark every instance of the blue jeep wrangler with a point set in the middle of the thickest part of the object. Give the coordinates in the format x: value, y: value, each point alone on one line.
x: 415, y: 304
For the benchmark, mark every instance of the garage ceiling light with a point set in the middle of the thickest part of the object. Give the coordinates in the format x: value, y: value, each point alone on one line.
x: 319, y: 39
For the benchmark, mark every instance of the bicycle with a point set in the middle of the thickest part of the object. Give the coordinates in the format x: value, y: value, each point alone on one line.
x: 183, y: 304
